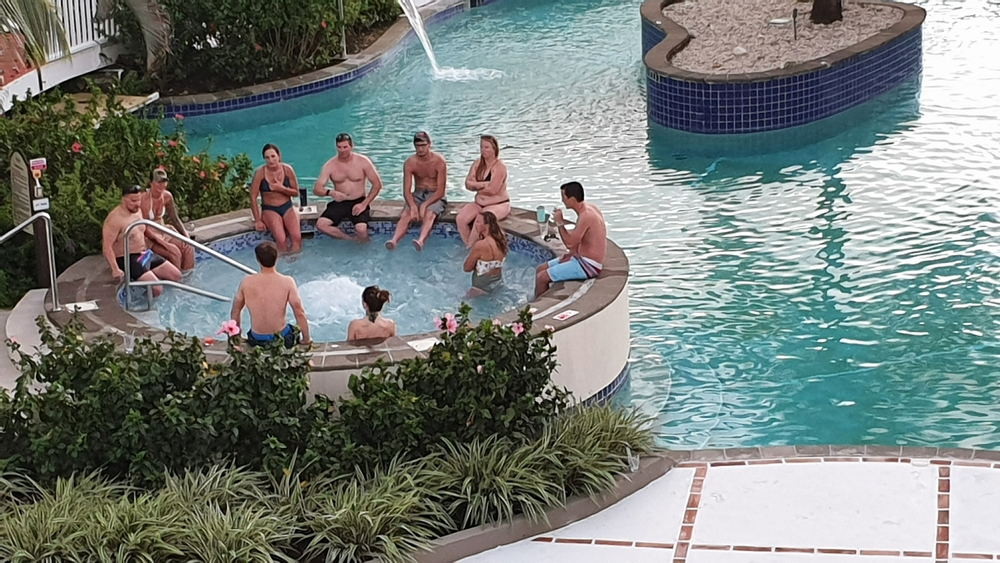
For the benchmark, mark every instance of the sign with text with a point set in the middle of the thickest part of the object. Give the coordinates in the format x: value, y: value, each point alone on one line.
x: 38, y: 164
x: 20, y: 181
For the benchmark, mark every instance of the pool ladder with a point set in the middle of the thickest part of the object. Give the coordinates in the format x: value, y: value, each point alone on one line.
x: 173, y: 234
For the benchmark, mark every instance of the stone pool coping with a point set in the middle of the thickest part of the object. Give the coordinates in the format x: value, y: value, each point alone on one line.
x: 677, y: 38
x: 90, y: 280
x: 352, y: 68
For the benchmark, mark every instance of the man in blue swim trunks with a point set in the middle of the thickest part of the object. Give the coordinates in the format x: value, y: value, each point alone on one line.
x: 267, y: 295
x: 587, y: 242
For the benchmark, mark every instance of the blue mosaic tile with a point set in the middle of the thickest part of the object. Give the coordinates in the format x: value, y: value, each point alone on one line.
x: 605, y: 395
x: 750, y: 107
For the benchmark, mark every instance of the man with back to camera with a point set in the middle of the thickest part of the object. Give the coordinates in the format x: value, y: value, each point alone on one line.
x: 349, y: 173
x: 587, y: 242
x: 426, y: 172
x: 144, y: 265
x: 268, y: 295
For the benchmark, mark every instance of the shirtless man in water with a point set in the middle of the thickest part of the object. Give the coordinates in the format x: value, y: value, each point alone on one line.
x: 268, y: 295
x: 587, y: 242
x: 144, y: 265
x: 426, y: 172
x: 349, y: 173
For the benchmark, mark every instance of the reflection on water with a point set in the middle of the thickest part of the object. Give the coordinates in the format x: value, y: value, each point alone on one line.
x: 836, y: 283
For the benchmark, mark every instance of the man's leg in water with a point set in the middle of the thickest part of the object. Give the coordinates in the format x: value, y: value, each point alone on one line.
x: 425, y: 229
x: 327, y: 227
x: 404, y: 223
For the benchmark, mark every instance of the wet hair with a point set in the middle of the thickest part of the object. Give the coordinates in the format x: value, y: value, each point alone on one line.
x: 131, y: 189
x: 375, y: 298
x: 573, y: 190
x: 267, y: 253
x: 495, y: 231
x: 341, y: 137
x: 269, y: 146
x: 481, y: 169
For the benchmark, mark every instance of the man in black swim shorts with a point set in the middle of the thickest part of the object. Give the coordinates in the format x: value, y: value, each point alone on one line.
x: 143, y: 264
x: 350, y: 174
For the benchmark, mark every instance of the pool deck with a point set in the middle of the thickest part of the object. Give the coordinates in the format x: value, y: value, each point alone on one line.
x: 874, y: 504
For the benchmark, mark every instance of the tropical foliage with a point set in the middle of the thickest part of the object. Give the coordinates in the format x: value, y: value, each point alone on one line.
x: 218, y: 44
x: 91, y: 155
x: 228, y: 462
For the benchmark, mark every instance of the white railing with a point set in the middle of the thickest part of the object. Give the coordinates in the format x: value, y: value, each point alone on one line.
x: 78, y: 19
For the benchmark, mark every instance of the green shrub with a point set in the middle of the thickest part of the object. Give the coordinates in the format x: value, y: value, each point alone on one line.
x: 479, y: 380
x: 160, y: 408
x: 220, y: 44
x: 89, y: 159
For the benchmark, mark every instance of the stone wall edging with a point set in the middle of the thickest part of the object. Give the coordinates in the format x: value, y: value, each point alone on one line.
x: 477, y: 540
x: 340, y: 74
x: 777, y: 98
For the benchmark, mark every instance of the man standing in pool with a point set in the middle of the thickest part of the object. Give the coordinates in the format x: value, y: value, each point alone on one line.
x: 587, y: 242
x: 426, y: 172
x: 268, y: 295
x: 350, y: 174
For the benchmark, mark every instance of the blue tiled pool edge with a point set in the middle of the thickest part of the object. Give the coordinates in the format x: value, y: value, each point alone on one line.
x: 277, y: 94
x: 777, y: 99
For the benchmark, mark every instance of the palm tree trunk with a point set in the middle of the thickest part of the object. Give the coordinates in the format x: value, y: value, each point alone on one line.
x: 826, y: 12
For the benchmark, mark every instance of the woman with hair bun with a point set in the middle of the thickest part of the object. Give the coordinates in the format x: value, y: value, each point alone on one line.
x: 374, y: 325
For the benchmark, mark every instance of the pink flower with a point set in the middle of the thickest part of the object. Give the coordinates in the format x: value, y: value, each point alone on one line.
x: 159, y: 154
x: 479, y: 369
x: 172, y: 143
x: 77, y: 147
x: 208, y: 341
x: 178, y: 116
x: 229, y: 328
x: 201, y: 174
x: 13, y: 340
x: 323, y: 24
x: 196, y: 160
x: 496, y: 322
x: 518, y: 328
x: 550, y: 328
x: 222, y: 165
x: 256, y: 47
x: 450, y: 323
x: 437, y: 323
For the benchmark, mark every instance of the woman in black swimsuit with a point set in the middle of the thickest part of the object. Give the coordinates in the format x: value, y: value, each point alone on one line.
x: 277, y: 186
x: 488, y: 179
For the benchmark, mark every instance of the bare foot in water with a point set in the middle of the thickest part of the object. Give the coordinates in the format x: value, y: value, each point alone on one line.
x: 391, y: 245
x: 418, y: 245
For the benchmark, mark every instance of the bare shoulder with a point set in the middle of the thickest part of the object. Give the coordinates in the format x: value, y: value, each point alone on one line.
x: 439, y: 159
x: 287, y: 168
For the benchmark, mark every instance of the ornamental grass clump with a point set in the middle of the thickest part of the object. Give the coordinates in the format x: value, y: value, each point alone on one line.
x: 492, y: 480
x: 593, y: 445
x: 386, y: 517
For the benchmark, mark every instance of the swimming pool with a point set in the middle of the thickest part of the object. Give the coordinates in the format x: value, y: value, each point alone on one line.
x: 331, y: 275
x: 784, y: 290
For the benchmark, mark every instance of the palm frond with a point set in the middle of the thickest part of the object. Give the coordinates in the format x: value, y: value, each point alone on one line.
x: 38, y: 23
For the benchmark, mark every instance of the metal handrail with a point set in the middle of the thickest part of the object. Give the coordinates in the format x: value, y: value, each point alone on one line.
x: 53, y: 287
x: 156, y: 226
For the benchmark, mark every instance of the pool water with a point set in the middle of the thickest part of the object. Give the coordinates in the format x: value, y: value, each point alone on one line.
x: 331, y: 275
x: 837, y: 283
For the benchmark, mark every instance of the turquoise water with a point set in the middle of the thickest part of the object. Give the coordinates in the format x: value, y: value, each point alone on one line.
x: 331, y: 275
x: 785, y: 289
